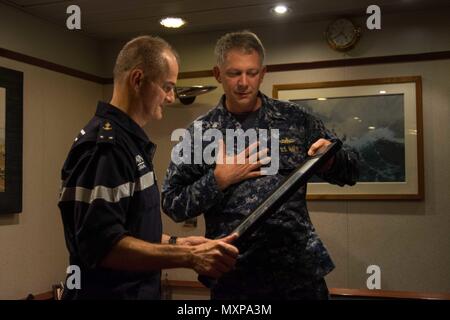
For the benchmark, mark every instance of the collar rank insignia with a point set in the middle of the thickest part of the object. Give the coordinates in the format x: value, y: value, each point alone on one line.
x: 287, y: 141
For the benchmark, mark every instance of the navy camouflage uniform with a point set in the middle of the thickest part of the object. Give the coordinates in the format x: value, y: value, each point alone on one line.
x: 284, y: 258
x: 109, y: 192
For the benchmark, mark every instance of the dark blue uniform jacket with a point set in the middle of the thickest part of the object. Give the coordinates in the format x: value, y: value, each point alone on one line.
x: 108, y: 192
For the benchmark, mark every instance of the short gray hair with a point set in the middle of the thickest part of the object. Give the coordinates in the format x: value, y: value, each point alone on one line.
x: 243, y: 40
x: 145, y: 52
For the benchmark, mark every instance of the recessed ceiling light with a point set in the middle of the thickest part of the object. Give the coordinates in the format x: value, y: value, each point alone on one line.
x: 280, y: 9
x: 382, y: 91
x: 321, y: 99
x: 172, y: 22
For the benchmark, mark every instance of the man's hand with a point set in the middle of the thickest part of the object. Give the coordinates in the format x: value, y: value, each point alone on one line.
x: 215, y: 257
x: 236, y: 168
x: 317, y: 147
x: 191, y: 241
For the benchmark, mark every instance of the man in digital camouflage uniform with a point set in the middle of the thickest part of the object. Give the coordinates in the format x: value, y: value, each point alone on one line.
x: 284, y: 258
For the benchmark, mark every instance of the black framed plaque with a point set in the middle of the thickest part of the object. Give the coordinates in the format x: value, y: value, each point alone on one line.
x: 289, y: 186
x: 11, y: 122
x: 280, y: 195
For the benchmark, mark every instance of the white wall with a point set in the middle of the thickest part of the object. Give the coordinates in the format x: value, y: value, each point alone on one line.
x: 32, y: 246
x: 408, y: 33
x: 55, y: 108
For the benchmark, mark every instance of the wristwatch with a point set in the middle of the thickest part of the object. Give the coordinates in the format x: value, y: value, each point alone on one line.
x: 173, y: 240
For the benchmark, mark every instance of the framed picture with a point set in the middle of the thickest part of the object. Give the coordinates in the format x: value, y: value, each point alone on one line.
x: 381, y: 120
x: 11, y: 99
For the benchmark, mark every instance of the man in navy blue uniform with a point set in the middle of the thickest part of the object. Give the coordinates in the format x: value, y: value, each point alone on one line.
x: 284, y: 258
x: 109, y: 199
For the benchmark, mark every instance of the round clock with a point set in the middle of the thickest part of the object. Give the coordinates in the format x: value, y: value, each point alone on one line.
x: 342, y: 34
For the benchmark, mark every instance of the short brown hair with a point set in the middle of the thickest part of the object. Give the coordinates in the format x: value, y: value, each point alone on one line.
x: 243, y: 40
x: 146, y: 52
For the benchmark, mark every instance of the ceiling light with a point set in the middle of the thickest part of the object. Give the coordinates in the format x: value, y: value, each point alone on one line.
x: 321, y: 99
x: 382, y: 91
x: 280, y: 9
x: 172, y: 22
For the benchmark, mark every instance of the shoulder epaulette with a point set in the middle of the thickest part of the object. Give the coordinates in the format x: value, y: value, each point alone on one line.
x: 106, y: 133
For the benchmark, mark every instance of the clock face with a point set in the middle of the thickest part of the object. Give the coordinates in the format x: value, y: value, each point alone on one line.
x: 342, y: 34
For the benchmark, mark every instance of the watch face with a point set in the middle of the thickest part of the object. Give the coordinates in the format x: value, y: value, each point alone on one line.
x: 341, y: 34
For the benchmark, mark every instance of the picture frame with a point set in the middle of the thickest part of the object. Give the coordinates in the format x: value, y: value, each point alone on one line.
x: 11, y: 121
x: 381, y: 121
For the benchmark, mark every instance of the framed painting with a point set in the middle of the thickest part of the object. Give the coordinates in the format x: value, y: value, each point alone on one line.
x: 11, y: 110
x: 380, y: 120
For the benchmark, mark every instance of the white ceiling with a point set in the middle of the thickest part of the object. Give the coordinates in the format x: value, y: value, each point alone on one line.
x: 106, y: 19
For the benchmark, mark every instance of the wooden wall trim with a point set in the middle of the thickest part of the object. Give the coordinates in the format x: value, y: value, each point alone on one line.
x: 415, y: 57
x: 185, y: 284
x: 402, y: 58
x: 195, y: 74
x: 52, y: 66
x: 41, y: 296
x: 388, y: 294
x: 342, y: 292
x: 338, y: 292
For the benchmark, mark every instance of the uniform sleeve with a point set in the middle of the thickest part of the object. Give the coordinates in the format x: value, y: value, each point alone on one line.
x: 189, y: 191
x: 94, y: 202
x: 345, y: 169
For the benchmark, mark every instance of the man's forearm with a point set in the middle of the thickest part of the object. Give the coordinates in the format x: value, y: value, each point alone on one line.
x: 133, y: 254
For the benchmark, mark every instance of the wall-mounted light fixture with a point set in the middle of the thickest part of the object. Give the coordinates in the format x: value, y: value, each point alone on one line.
x: 187, y: 95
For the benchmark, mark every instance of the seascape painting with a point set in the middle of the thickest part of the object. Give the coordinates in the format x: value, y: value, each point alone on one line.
x: 373, y: 126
